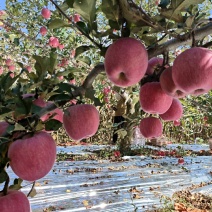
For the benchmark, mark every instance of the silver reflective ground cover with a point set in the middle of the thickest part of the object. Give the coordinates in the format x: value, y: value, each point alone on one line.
x: 137, y: 181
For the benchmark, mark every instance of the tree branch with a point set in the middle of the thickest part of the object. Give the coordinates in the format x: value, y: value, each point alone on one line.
x: 75, y: 25
x: 184, y: 39
x: 135, y: 14
x: 21, y: 33
x: 92, y: 75
x: 79, y: 91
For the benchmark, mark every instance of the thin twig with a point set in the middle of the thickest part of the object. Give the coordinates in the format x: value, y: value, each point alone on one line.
x: 5, y: 189
x: 33, y: 185
x: 75, y: 25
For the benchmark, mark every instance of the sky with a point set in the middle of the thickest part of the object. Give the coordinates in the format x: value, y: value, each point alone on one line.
x: 2, y: 4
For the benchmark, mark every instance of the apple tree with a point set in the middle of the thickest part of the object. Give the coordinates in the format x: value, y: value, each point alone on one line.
x: 63, y: 61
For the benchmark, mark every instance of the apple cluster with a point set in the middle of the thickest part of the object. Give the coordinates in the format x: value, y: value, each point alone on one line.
x: 126, y: 63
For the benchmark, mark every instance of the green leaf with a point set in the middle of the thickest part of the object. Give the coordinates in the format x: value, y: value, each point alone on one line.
x: 3, y: 176
x: 182, y: 5
x: 52, y: 125
x: 16, y: 41
x: 57, y: 23
x: 189, y: 21
x: 6, y: 82
x: 85, y: 60
x: 4, y: 111
x: 164, y: 3
x: 114, y: 25
x: 70, y: 3
x: 60, y: 97
x: 87, y: 9
x: 83, y: 27
x: 45, y: 64
x: 40, y: 66
x: 81, y: 49
x: 20, y: 64
x: 65, y: 87
x: 53, y: 62
x: 174, y: 12
x: 111, y: 10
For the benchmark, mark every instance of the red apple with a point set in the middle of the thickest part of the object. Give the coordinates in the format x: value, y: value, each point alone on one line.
x: 81, y: 121
x: 8, y: 62
x: 175, y: 111
x: 117, y: 154
x: 72, y: 53
x: 61, y: 46
x: 53, y: 42
x: 32, y: 157
x: 29, y: 68
x: 46, y: 13
x: 154, y: 63
x: 176, y: 123
x: 151, y: 127
x: 76, y: 18
x: 40, y: 102
x: 14, y: 201
x: 180, y: 161
x: 126, y: 62
x: 168, y: 86
x: 43, y: 30
x: 58, y: 114
x: 12, y: 75
x: 153, y: 99
x: 11, y: 67
x: 192, y: 71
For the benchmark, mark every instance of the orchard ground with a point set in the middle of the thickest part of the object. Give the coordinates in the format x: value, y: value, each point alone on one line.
x: 97, y: 178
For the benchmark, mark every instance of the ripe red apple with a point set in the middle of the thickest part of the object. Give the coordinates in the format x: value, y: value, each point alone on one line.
x: 76, y: 18
x: 32, y: 157
x: 81, y: 121
x: 14, y: 201
x: 8, y: 62
x: 175, y: 111
x: 61, y: 46
x: 126, y: 62
x: 29, y: 68
x: 168, y: 86
x: 192, y: 71
x: 151, y: 127
x: 58, y: 114
x: 176, y: 123
x: 154, y: 63
x: 72, y: 53
x: 46, y: 13
x: 11, y: 67
x: 3, y: 127
x: 43, y: 30
x: 40, y: 102
x: 180, y: 161
x: 153, y: 99
x: 12, y: 75
x: 53, y: 42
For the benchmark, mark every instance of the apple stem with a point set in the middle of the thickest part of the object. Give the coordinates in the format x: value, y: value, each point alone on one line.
x: 33, y: 185
x: 5, y: 189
